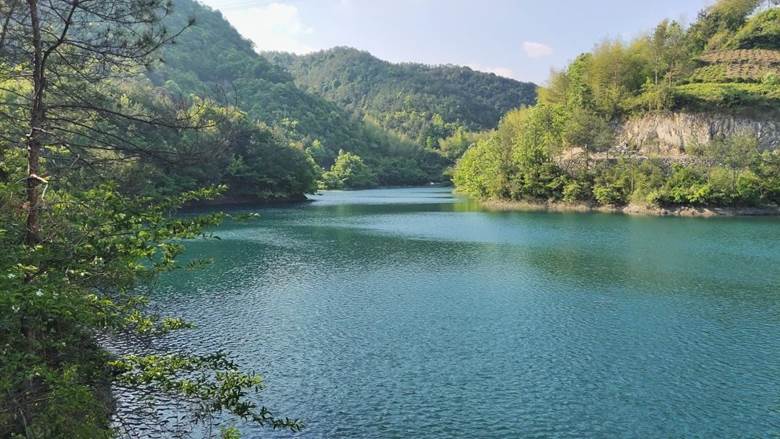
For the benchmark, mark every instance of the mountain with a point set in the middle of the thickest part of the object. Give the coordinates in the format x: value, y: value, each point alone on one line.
x: 211, y: 59
x: 393, y: 116
x: 418, y: 102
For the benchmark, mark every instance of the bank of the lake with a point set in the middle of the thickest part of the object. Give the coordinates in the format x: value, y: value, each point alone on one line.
x: 630, y: 209
x: 413, y: 313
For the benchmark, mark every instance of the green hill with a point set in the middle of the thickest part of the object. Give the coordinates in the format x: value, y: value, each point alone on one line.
x: 739, y: 68
x: 720, y: 74
x: 419, y: 102
x: 392, y: 116
x: 212, y: 60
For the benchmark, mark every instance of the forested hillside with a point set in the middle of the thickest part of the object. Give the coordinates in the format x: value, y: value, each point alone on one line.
x: 418, y: 102
x: 567, y: 148
x: 407, y: 123
x: 212, y: 59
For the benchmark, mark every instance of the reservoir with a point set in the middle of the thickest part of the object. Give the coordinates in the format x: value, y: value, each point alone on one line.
x: 414, y: 313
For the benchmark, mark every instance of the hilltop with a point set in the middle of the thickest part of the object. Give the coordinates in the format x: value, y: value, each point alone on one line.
x: 418, y: 102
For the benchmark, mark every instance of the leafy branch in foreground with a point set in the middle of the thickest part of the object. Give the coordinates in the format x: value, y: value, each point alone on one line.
x: 80, y: 281
x: 213, y: 382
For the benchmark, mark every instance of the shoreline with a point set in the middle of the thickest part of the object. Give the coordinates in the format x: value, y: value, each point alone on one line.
x: 630, y: 209
x: 229, y: 202
x: 232, y: 201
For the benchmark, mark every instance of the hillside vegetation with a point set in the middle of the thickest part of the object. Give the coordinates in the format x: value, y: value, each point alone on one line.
x: 418, y: 102
x: 212, y: 59
x: 394, y: 117
x: 564, y: 148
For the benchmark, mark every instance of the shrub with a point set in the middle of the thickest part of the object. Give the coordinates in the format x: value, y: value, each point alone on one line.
x: 574, y: 191
x: 608, y: 195
x: 349, y: 172
x: 685, y: 186
x: 748, y: 188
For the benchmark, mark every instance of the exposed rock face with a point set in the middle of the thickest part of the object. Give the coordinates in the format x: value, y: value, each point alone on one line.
x: 671, y: 133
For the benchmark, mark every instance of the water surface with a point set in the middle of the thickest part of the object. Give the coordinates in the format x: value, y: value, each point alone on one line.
x: 410, y: 313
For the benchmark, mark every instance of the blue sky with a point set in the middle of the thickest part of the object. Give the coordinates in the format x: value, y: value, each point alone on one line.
x: 522, y: 39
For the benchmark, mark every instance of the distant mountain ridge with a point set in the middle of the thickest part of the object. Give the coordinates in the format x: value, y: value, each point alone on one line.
x: 416, y: 101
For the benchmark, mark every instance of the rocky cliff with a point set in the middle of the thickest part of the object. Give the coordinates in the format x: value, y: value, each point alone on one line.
x: 670, y: 134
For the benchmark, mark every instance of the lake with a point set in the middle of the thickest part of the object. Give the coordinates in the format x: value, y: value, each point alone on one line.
x: 412, y: 313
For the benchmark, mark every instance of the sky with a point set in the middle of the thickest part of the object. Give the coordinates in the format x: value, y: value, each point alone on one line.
x: 521, y: 39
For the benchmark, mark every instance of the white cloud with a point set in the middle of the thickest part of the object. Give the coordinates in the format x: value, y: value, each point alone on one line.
x: 500, y: 71
x: 276, y: 26
x: 536, y: 50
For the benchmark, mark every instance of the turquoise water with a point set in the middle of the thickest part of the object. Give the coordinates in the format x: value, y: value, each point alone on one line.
x: 410, y: 313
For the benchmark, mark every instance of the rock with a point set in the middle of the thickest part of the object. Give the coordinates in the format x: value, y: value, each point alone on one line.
x: 669, y: 134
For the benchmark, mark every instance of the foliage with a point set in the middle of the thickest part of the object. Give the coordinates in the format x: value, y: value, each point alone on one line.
x: 737, y: 66
x: 348, y: 172
x: 513, y: 164
x: 761, y: 31
x: 81, y: 279
x: 421, y: 103
x: 727, y: 96
x: 211, y: 59
x: 716, y: 23
x: 227, y: 148
x: 81, y: 135
x: 214, y: 382
x: 484, y: 170
x: 457, y: 143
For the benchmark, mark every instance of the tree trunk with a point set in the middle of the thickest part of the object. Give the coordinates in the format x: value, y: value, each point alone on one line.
x: 7, y: 21
x: 34, y: 138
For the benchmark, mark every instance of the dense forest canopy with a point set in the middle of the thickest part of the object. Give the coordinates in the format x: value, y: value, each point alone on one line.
x: 412, y: 107
x: 565, y: 148
x: 212, y: 59
x: 421, y: 103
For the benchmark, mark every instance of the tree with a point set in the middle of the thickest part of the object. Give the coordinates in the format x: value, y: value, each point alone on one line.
x: 454, y: 146
x: 716, y: 23
x: 67, y: 50
x: 669, y: 52
x: 349, y: 172
x: 589, y: 131
x: 71, y: 268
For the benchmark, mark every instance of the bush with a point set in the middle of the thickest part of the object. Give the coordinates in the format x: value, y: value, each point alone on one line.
x: 574, y: 191
x: 349, y: 172
x: 768, y: 169
x: 721, y: 182
x: 748, y: 188
x: 726, y: 95
x: 649, y: 177
x: 613, y: 183
x: 608, y: 195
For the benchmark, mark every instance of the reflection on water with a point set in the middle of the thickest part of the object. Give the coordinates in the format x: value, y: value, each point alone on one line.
x: 410, y: 313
